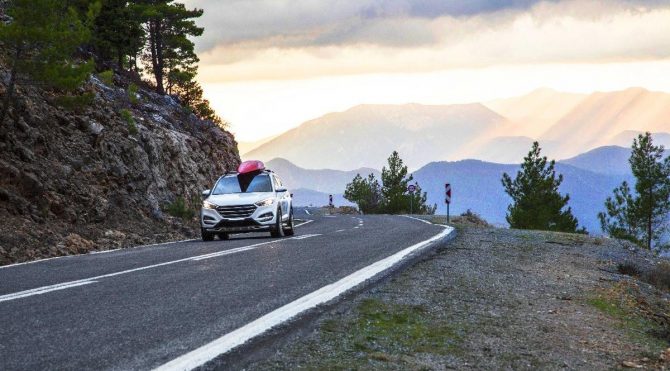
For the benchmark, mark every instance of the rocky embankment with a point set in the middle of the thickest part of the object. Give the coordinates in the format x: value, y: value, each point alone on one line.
x: 498, y: 299
x: 103, y: 176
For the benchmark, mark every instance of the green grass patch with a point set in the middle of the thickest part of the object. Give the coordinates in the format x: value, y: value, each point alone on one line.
x: 127, y: 116
x: 132, y: 94
x: 179, y: 209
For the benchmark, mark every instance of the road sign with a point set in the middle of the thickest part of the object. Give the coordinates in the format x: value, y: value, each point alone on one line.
x: 447, y: 193
x: 411, y: 188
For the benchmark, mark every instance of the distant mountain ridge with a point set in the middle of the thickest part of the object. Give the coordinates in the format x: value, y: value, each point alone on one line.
x: 565, y: 124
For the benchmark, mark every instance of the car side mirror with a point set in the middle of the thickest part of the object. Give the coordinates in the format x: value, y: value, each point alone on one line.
x: 206, y: 193
x: 281, y: 190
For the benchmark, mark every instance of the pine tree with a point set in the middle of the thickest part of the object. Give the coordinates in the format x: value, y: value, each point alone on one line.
x: 117, y: 32
x: 171, y: 54
x: 537, y: 204
x: 366, y: 193
x: 641, y: 217
x: 394, y: 185
x: 38, y: 46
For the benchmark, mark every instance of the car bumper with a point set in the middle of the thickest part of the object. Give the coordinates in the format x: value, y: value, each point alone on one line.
x: 263, y: 219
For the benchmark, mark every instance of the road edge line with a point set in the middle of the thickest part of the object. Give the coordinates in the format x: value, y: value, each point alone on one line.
x: 261, y: 325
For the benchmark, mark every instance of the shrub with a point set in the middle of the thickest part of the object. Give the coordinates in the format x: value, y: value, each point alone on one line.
x: 107, y: 77
x: 75, y: 102
x: 659, y: 275
x: 130, y: 121
x: 132, y: 93
x: 179, y: 209
x: 471, y: 217
x: 628, y: 268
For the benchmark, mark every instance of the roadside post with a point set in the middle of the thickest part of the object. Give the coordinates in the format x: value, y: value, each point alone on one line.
x: 411, y: 189
x: 447, y: 197
x: 330, y: 204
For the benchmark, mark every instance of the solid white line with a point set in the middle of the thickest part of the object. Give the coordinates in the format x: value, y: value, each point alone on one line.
x: 306, y: 236
x: 42, y: 290
x: 257, y: 327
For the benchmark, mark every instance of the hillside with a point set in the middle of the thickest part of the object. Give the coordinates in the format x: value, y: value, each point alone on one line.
x: 79, y: 181
x: 611, y: 160
x: 495, y: 299
x: 364, y: 136
x: 324, y: 180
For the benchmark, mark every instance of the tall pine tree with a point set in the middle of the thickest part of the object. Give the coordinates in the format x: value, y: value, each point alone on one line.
x: 642, y: 216
x: 38, y: 45
x: 537, y: 204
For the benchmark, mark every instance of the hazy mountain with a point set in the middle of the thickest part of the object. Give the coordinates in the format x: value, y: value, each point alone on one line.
x: 364, y: 136
x: 534, y: 113
x: 625, y: 138
x: 611, y: 160
x: 244, y: 147
x: 602, y: 117
x: 476, y: 185
x: 329, y: 181
x: 502, y: 150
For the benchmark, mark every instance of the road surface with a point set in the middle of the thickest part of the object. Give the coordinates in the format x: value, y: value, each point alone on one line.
x: 168, y: 304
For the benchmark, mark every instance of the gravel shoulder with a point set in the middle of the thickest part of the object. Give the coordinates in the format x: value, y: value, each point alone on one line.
x: 496, y: 299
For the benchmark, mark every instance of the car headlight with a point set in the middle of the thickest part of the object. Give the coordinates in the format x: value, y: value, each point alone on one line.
x: 208, y: 205
x: 266, y: 202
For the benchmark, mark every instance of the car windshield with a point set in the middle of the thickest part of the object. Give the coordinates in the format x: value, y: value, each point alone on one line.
x: 243, y: 183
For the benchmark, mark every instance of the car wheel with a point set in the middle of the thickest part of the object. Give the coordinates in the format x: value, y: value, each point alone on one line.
x: 224, y: 236
x: 278, y: 229
x: 290, y: 231
x: 206, y: 236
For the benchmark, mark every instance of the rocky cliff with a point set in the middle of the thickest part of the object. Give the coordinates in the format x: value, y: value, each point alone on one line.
x: 103, y: 176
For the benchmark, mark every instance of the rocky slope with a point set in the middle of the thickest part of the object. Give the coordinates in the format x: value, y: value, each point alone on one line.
x: 102, y: 177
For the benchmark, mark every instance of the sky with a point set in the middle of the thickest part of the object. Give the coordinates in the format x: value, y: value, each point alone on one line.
x: 269, y: 65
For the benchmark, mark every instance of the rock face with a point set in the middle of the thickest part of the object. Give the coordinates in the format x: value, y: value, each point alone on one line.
x: 100, y: 177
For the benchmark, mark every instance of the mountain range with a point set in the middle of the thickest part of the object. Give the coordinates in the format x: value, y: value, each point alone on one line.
x: 500, y: 131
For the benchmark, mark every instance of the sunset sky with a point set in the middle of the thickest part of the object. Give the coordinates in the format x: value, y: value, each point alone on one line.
x: 270, y: 65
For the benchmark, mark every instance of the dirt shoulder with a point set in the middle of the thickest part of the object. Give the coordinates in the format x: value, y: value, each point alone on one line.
x: 495, y: 299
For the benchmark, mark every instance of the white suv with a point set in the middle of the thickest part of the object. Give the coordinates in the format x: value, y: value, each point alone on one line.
x: 250, y: 200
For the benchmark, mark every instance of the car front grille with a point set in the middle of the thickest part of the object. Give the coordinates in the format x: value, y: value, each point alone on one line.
x: 238, y: 211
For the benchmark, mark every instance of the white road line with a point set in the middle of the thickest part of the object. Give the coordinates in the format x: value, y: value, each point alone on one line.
x: 327, y: 293
x: 307, y: 212
x: 85, y: 281
x: 42, y: 290
x: 340, y: 230
x: 305, y: 236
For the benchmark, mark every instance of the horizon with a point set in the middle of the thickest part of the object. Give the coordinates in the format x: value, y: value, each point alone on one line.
x: 268, y: 67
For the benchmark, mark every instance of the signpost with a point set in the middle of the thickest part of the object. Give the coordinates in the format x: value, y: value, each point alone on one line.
x: 447, y: 197
x: 411, y: 189
x: 330, y: 204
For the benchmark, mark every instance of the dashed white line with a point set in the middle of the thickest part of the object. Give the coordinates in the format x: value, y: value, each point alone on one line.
x: 229, y: 341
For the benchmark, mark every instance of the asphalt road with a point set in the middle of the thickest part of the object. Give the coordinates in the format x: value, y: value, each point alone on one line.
x: 143, y: 307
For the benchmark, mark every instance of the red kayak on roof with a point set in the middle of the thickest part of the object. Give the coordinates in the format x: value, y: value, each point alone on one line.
x: 250, y: 166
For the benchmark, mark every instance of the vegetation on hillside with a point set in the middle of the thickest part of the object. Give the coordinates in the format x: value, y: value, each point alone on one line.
x: 391, y: 196
x: 537, y: 204
x: 57, y: 44
x: 641, y: 214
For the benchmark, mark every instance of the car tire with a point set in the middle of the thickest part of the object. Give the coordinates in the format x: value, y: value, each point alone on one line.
x: 206, y: 236
x: 278, y: 229
x: 290, y: 228
x: 223, y: 236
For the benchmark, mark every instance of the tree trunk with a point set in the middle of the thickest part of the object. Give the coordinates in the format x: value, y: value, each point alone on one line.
x: 9, y: 93
x: 155, y: 40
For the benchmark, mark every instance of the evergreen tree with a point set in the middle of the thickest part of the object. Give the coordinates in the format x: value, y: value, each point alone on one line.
x: 117, y: 33
x: 366, y: 193
x: 394, y: 185
x: 38, y: 46
x: 537, y: 204
x: 171, y: 57
x: 641, y: 217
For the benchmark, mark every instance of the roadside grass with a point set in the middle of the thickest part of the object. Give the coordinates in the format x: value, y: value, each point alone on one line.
x: 382, y: 332
x: 637, y: 315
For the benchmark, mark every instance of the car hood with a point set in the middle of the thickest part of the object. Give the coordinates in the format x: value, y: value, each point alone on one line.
x: 239, y: 198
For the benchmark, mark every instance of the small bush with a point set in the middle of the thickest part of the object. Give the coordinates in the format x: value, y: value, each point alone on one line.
x: 179, y: 209
x: 628, y: 268
x: 75, y: 102
x: 659, y: 276
x: 107, y: 77
x: 471, y: 217
x: 132, y: 93
x: 130, y: 120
